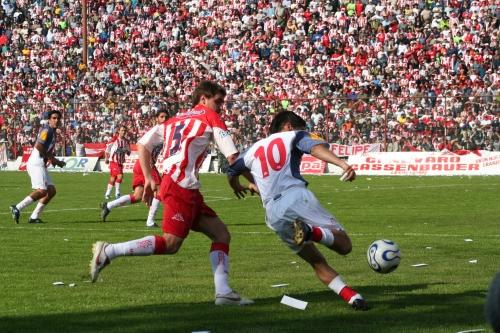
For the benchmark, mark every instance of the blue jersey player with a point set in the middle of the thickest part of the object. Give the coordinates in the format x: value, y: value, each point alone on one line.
x: 42, y: 154
x: 272, y: 166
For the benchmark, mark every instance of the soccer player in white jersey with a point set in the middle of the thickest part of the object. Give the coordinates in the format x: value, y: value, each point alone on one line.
x: 115, y: 153
x: 41, y: 182
x: 138, y: 184
x: 185, y: 138
x: 293, y: 211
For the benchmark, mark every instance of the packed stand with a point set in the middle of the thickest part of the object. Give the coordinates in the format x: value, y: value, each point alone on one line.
x: 414, y: 75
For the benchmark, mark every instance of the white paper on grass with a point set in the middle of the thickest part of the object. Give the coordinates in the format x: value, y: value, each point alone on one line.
x: 471, y: 331
x: 293, y: 302
x: 474, y: 261
x: 280, y: 285
x: 58, y: 283
x: 419, y: 265
x: 468, y: 240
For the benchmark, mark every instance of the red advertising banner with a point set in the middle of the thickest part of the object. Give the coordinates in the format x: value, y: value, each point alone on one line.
x: 312, y: 165
x: 24, y: 159
x: 94, y: 149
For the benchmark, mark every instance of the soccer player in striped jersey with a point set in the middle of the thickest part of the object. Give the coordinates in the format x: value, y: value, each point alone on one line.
x: 115, y: 153
x: 292, y: 211
x: 185, y: 140
x: 41, y: 182
x: 138, y: 183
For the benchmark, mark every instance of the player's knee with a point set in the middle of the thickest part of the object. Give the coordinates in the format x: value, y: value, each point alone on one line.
x: 345, y: 249
x: 173, y: 244
x: 343, y: 245
x: 40, y: 193
x: 51, y: 191
x: 223, y: 235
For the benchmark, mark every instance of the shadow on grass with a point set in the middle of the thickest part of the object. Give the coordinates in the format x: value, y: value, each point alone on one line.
x: 409, y: 312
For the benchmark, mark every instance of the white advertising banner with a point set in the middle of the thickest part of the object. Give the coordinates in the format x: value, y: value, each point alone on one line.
x: 343, y: 150
x: 75, y: 164
x: 479, y: 163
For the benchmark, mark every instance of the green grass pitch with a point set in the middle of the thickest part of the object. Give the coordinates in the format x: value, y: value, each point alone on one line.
x: 430, y: 218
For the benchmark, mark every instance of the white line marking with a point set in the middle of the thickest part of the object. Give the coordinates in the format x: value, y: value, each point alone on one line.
x: 45, y: 227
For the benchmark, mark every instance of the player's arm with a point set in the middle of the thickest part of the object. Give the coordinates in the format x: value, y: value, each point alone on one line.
x: 312, y: 144
x: 107, y: 152
x: 236, y: 169
x: 323, y: 153
x: 144, y: 148
x: 54, y: 161
x: 48, y: 156
x: 127, y: 149
x: 145, y: 161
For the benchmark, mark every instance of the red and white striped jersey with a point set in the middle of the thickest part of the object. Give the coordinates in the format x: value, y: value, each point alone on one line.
x: 117, y: 149
x: 185, y: 139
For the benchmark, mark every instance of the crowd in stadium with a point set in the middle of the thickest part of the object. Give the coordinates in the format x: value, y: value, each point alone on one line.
x: 414, y: 75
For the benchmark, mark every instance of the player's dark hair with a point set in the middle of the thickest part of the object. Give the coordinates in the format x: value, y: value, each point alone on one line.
x: 208, y: 89
x: 158, y: 113
x: 54, y: 112
x: 284, y: 117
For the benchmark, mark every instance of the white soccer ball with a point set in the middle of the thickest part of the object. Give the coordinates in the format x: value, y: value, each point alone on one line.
x: 383, y: 256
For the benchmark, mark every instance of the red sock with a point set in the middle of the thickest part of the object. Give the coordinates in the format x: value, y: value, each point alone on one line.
x: 347, y: 293
x: 133, y: 200
x: 220, y: 247
x: 160, y: 245
x: 317, y: 234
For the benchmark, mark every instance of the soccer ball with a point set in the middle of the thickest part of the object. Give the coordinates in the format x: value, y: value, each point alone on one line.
x: 383, y: 256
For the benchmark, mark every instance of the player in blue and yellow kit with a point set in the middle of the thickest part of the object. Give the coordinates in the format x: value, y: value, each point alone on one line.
x: 42, y: 154
x: 292, y: 210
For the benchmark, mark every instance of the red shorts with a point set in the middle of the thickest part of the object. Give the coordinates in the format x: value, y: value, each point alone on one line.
x: 115, y: 169
x: 181, y: 208
x: 138, y: 179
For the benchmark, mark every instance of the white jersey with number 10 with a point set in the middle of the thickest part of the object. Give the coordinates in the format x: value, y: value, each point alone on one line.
x: 275, y: 162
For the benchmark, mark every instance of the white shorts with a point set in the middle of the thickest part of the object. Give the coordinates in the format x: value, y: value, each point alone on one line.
x: 297, y: 203
x: 40, y: 177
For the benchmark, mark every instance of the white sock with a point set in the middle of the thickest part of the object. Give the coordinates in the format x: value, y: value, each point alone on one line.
x: 24, y: 203
x: 38, y: 210
x: 125, y: 200
x: 152, y: 212
x: 108, y: 189
x: 138, y: 247
x: 220, y: 268
x: 337, y: 284
x: 327, y: 238
x: 117, y: 188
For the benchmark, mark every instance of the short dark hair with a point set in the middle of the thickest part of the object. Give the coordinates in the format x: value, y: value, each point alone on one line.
x: 54, y: 112
x: 284, y: 117
x: 159, y: 112
x: 208, y: 89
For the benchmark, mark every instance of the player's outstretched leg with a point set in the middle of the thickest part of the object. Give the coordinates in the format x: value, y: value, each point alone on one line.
x: 331, y: 278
